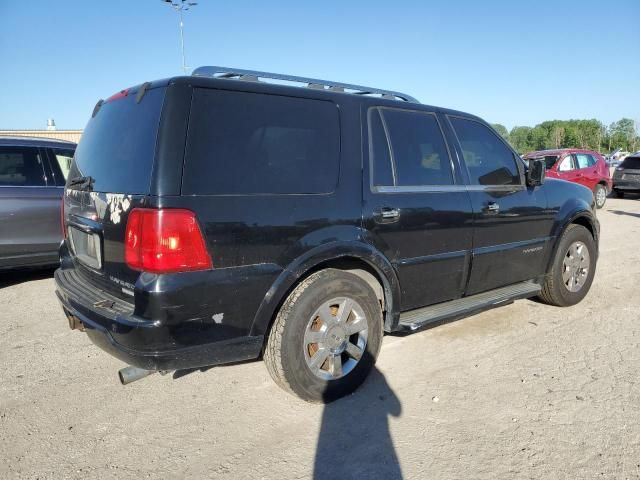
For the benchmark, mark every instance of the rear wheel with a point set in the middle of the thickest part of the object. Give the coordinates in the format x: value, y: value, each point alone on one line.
x: 573, y: 268
x: 600, y: 195
x: 326, y: 337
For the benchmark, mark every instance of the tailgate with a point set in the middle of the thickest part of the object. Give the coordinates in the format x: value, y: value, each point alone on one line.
x: 110, y: 175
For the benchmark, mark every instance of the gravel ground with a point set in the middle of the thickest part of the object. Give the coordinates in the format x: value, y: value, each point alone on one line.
x: 524, y: 391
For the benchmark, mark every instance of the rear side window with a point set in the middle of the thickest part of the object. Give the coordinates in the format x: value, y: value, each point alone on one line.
x: 21, y: 167
x: 585, y: 160
x: 118, y: 145
x: 251, y: 143
x: 488, y: 160
x: 632, y: 163
x: 415, y: 153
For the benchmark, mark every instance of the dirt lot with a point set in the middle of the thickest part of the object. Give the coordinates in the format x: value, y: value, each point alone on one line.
x: 524, y: 391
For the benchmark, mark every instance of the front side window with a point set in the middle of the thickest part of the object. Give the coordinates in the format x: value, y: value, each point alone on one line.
x: 21, y: 167
x: 253, y: 143
x: 488, y: 159
x: 408, y: 149
x: 566, y: 165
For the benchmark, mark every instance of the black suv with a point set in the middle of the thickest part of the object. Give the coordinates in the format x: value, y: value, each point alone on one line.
x: 224, y: 217
x: 626, y: 176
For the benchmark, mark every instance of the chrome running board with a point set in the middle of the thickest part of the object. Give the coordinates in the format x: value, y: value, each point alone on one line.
x: 416, y: 319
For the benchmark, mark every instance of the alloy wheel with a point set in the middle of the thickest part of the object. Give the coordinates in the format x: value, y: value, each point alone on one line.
x: 575, y: 266
x: 335, y: 338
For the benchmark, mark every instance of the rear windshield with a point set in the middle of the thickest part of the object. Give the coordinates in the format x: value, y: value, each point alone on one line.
x: 118, y: 145
x: 252, y: 143
x: 632, y: 163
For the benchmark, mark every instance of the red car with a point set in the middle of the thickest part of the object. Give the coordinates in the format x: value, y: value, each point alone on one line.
x: 585, y: 167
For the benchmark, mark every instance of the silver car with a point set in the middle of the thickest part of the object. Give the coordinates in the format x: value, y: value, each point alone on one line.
x: 32, y: 177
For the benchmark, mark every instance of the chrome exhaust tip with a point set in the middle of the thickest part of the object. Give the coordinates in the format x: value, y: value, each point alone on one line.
x: 74, y: 322
x: 130, y: 374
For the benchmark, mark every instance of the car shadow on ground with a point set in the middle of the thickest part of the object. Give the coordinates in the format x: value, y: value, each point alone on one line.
x: 9, y: 278
x: 355, y: 440
x: 620, y: 212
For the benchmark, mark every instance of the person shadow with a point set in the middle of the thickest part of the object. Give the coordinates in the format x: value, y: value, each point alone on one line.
x: 354, y: 440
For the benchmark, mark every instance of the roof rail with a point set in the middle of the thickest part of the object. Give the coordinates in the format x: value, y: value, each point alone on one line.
x: 252, y: 75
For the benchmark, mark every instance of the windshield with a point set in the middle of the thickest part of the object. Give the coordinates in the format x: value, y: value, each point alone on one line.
x: 118, y: 145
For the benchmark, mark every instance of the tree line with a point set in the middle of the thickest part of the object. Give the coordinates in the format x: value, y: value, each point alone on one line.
x: 589, y: 134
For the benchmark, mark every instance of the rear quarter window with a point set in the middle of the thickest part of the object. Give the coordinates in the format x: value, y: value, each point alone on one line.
x: 252, y: 143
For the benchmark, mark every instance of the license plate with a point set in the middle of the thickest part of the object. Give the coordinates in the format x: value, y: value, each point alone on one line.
x: 86, y: 247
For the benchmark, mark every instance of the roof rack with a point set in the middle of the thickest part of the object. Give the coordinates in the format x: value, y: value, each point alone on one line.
x: 254, y: 76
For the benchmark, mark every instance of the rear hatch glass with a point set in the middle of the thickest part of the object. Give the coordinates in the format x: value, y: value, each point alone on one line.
x: 631, y: 163
x: 109, y: 176
x: 118, y: 144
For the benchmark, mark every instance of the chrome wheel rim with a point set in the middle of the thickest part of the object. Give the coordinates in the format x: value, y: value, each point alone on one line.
x: 335, y: 338
x: 575, y: 267
x: 601, y: 196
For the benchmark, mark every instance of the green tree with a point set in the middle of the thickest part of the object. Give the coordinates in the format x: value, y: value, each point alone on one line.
x: 520, y: 139
x: 502, y: 130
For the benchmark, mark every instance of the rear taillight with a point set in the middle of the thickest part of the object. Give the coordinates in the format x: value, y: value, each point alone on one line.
x: 164, y: 241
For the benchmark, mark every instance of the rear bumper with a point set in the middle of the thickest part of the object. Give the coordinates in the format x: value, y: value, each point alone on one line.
x: 626, y: 185
x: 111, y: 325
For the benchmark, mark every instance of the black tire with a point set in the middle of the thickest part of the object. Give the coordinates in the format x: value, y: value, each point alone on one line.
x: 285, y: 354
x: 600, y: 195
x: 554, y: 291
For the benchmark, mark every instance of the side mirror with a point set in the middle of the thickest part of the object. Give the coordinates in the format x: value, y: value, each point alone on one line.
x: 536, y: 172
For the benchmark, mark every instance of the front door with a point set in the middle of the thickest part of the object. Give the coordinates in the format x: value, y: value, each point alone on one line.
x: 512, y: 226
x: 416, y: 209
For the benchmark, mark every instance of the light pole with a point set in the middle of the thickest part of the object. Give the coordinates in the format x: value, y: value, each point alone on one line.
x: 181, y: 6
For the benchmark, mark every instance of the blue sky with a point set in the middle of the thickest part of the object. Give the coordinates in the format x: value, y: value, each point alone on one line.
x: 516, y: 63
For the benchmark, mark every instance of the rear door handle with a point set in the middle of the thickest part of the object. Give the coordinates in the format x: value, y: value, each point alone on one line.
x: 388, y: 215
x: 492, y: 207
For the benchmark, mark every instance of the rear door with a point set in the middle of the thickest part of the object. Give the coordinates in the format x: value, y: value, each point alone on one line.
x: 511, y: 222
x: 587, y: 172
x: 30, y: 230
x: 416, y: 210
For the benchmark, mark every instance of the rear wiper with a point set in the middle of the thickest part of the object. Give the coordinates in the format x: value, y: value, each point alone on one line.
x: 82, y: 183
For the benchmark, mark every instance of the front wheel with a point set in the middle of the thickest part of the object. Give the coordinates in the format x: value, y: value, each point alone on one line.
x: 326, y: 337
x: 600, y: 195
x: 573, y: 268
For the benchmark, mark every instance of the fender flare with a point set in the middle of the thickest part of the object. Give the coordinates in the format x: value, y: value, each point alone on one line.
x: 301, y: 266
x: 571, y: 219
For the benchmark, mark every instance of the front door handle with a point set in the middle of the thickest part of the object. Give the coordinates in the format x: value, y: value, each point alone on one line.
x: 492, y: 207
x: 387, y: 215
